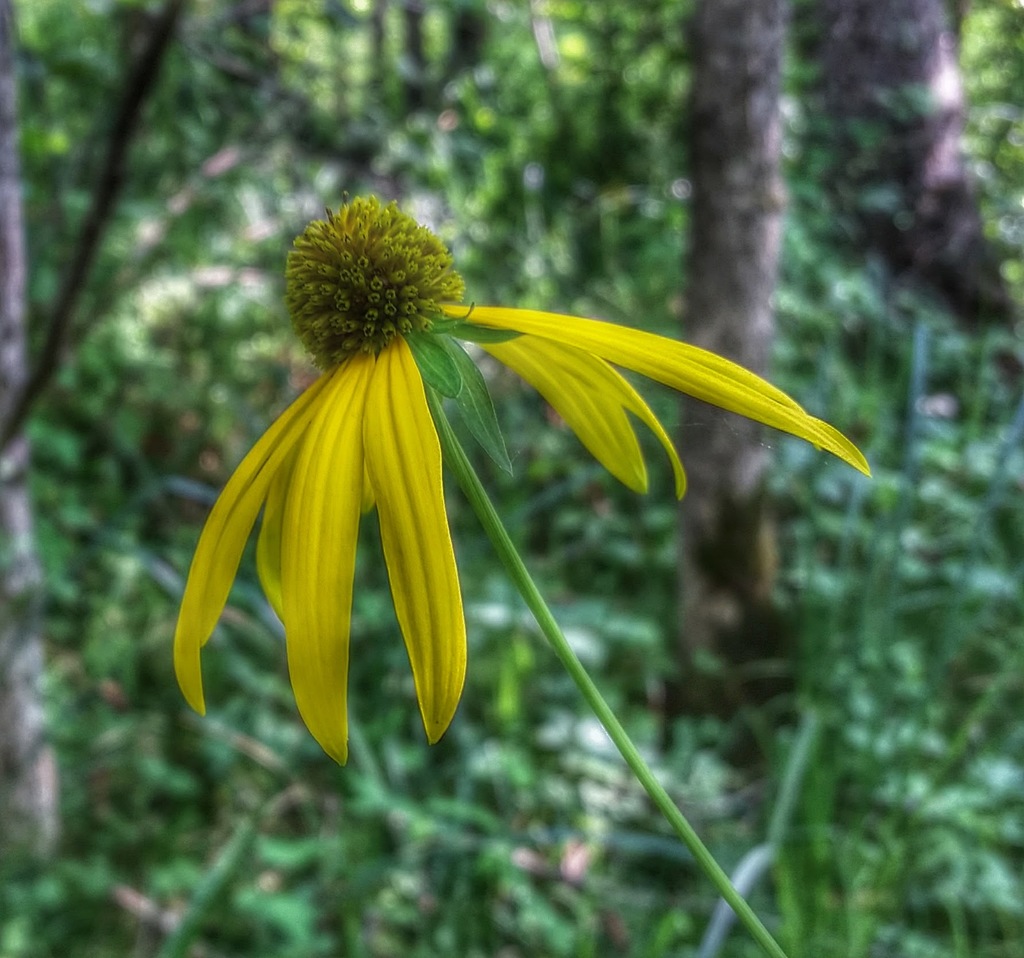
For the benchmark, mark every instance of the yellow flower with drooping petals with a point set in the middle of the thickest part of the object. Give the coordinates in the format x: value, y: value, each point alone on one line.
x: 364, y: 287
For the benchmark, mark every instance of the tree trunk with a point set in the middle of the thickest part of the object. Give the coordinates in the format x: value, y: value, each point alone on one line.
x: 895, y: 103
x: 28, y: 778
x: 415, y: 65
x: 379, y: 47
x: 468, y: 35
x: 727, y: 547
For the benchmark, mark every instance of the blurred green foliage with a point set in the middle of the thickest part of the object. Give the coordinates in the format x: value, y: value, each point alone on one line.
x: 559, y: 185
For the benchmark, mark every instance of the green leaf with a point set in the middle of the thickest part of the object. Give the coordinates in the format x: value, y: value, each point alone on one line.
x: 436, y: 363
x: 474, y: 402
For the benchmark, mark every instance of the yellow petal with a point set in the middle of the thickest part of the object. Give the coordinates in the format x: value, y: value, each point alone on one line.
x: 318, y: 554
x: 694, y: 371
x: 223, y: 539
x: 368, y: 500
x: 268, y: 545
x: 592, y: 398
x: 403, y: 460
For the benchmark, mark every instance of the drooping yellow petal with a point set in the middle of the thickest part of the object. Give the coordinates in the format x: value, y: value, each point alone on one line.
x: 403, y: 460
x: 318, y: 554
x: 592, y: 398
x: 694, y: 371
x: 223, y: 539
x: 268, y: 545
x: 368, y: 499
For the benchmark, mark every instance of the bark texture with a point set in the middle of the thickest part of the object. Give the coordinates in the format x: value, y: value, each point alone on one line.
x: 28, y: 777
x: 727, y: 554
x: 896, y: 104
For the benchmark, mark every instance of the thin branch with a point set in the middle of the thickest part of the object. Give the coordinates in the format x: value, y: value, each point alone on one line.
x: 145, y: 909
x: 138, y: 85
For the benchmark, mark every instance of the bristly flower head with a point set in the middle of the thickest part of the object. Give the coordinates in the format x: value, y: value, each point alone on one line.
x: 363, y: 276
x: 374, y: 299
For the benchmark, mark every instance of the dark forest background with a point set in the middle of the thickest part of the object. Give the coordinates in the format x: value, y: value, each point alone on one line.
x: 826, y: 671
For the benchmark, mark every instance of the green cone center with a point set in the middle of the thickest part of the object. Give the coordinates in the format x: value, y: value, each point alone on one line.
x: 363, y: 276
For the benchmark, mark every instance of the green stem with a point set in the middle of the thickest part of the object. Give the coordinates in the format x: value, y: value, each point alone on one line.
x: 456, y: 458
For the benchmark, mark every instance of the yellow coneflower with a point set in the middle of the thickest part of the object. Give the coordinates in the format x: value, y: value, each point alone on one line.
x: 369, y: 290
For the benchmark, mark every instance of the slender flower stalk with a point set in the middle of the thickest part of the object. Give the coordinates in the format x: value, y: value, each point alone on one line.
x: 470, y: 484
x: 374, y: 298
